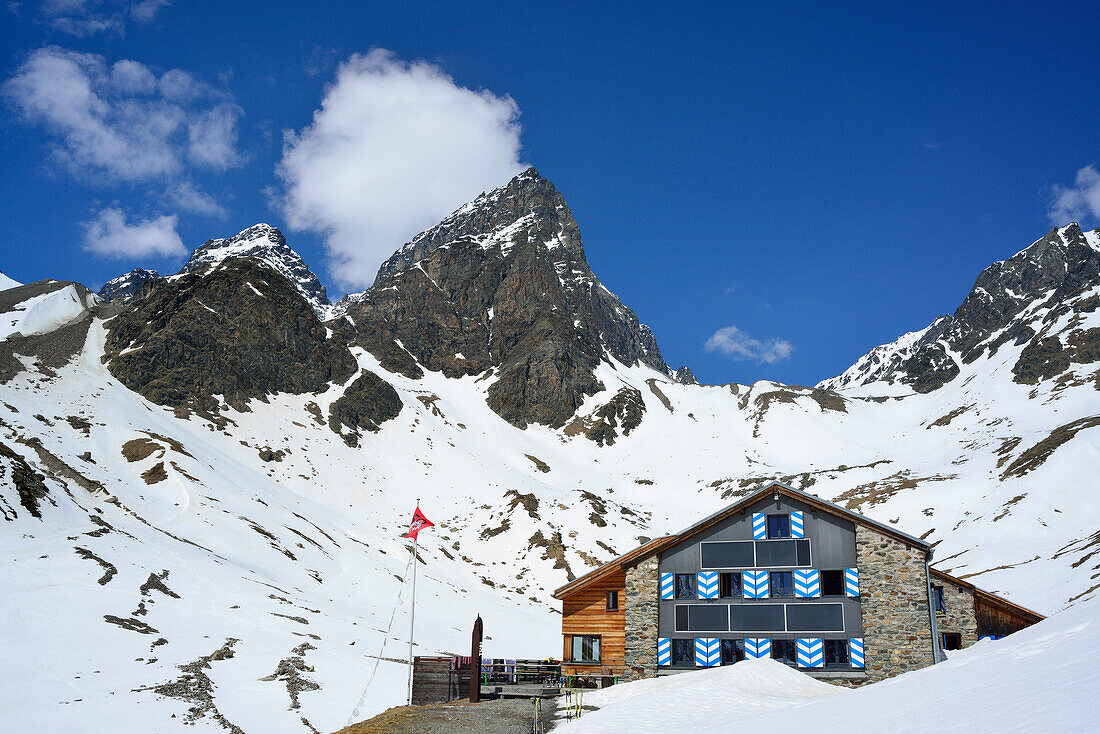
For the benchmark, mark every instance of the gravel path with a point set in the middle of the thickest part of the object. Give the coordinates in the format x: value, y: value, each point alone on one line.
x: 501, y: 716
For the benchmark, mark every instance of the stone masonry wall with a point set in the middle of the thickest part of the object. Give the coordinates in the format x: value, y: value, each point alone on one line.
x: 642, y: 598
x: 960, y: 616
x: 897, y: 635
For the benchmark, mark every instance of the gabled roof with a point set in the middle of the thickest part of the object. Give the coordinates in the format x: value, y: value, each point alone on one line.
x: 658, y: 545
x: 987, y: 596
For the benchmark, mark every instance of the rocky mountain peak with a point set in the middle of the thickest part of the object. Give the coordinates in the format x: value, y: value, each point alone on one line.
x: 267, y: 244
x: 503, y: 283
x: 1017, y: 301
x: 126, y: 285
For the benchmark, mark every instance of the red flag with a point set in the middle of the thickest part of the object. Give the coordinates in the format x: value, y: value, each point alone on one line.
x: 419, y: 523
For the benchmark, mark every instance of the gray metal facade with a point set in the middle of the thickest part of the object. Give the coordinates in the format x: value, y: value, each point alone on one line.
x: 832, y: 542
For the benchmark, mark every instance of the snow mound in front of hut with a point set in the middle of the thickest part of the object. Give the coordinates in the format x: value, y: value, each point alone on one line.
x: 1043, y: 678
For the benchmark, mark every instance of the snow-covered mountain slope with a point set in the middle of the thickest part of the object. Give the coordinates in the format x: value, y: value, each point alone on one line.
x: 1039, y: 679
x: 266, y: 243
x: 6, y: 282
x: 126, y: 285
x: 203, y: 486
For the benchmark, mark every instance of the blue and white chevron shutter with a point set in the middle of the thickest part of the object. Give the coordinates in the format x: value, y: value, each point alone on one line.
x: 759, y: 526
x: 855, y: 646
x: 807, y: 584
x: 707, y: 584
x: 988, y: 637
x: 664, y: 651
x: 798, y: 524
x: 754, y: 584
x: 758, y: 647
x: 851, y: 582
x: 707, y: 652
x: 668, y: 586
x: 810, y: 651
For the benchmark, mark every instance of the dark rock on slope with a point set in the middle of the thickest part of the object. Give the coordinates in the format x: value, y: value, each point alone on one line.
x: 366, y: 404
x: 241, y: 330
x: 503, y: 284
x: 124, y: 286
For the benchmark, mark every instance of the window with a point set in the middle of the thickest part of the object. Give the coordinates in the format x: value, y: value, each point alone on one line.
x: 612, y: 601
x: 733, y: 651
x: 939, y: 602
x: 729, y: 585
x: 757, y: 618
x: 783, y: 651
x: 952, y: 641
x: 702, y: 618
x: 782, y: 583
x: 836, y: 652
x: 782, y: 553
x: 779, y: 526
x: 727, y: 554
x: 683, y: 652
x: 832, y: 583
x: 685, y: 586
x: 815, y: 617
x: 586, y: 649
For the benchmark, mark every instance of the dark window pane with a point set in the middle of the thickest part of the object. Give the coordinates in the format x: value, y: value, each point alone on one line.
x: 815, y: 617
x: 783, y: 651
x: 681, y: 618
x: 939, y: 599
x: 729, y: 585
x: 832, y: 583
x: 756, y: 617
x: 733, y: 651
x: 776, y: 553
x: 952, y: 641
x: 836, y: 652
x: 612, y: 600
x: 782, y: 583
x: 708, y: 617
x: 779, y: 526
x: 685, y: 586
x: 802, y: 548
x: 727, y: 554
x: 683, y: 652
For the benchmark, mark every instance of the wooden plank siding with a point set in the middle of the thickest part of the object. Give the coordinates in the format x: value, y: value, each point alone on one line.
x: 585, y: 613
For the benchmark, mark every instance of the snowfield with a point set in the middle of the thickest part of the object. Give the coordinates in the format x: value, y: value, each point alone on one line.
x: 1038, y: 680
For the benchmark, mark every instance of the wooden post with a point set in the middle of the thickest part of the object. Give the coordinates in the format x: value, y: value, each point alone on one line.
x: 475, y: 661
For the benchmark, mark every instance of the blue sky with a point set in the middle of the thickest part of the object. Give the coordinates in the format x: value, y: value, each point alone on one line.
x: 813, y: 180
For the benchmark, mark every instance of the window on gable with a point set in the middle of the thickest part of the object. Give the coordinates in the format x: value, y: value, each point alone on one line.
x: 586, y: 649
x: 685, y: 586
x: 952, y: 641
x: 779, y: 526
x: 836, y: 652
x: 939, y: 601
x: 832, y: 583
x: 781, y: 583
x: 683, y: 652
x: 729, y: 585
x: 783, y: 651
x: 733, y: 651
x: 612, y: 601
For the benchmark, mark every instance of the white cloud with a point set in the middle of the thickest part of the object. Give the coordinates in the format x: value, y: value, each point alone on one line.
x: 1078, y: 202
x: 119, y: 123
x: 111, y: 235
x: 186, y: 196
x: 213, y: 137
x: 84, y: 18
x: 394, y: 147
x: 735, y: 343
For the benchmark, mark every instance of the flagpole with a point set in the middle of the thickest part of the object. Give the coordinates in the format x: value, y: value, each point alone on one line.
x: 412, y: 615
